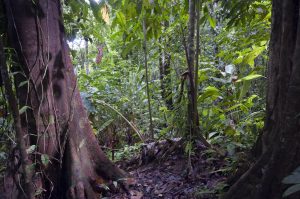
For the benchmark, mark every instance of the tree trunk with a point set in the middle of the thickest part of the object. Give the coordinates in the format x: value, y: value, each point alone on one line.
x: 192, y: 102
x: 281, y: 148
x: 192, y: 116
x: 67, y: 161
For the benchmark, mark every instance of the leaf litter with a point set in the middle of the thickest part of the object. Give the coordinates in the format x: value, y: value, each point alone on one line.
x: 160, y: 171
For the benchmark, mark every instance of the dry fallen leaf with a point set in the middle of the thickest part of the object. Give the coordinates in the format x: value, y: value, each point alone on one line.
x: 136, y: 194
x: 130, y: 181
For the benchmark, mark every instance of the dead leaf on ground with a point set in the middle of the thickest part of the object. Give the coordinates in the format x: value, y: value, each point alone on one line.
x: 136, y: 194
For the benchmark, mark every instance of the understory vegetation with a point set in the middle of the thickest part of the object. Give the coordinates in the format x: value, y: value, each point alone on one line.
x: 108, y: 56
x: 106, y: 42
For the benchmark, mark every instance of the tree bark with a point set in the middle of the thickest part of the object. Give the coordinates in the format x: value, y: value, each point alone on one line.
x: 280, y: 154
x: 56, y: 122
x: 192, y: 103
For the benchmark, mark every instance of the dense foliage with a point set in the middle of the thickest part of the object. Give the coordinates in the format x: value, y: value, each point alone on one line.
x: 231, y: 75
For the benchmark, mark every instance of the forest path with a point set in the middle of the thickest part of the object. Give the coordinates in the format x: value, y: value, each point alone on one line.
x: 160, y: 171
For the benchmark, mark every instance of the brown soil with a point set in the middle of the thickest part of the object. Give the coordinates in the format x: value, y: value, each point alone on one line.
x: 160, y: 171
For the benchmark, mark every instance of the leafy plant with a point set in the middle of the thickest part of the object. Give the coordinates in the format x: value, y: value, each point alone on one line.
x: 294, y: 181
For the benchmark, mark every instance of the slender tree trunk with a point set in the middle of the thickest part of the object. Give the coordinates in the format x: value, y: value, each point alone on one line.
x: 192, y: 110
x: 193, y: 117
x: 68, y: 162
x: 87, y: 68
x: 147, y: 78
x: 280, y: 140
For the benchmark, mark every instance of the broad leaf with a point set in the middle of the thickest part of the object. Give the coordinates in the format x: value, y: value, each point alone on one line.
x: 249, y: 58
x: 31, y: 149
x: 212, y: 22
x: 23, y: 109
x: 293, y: 189
x: 250, y: 77
x: 23, y: 83
x: 294, y: 178
x: 106, y: 124
x: 45, y: 159
x: 209, y: 91
x: 121, y: 19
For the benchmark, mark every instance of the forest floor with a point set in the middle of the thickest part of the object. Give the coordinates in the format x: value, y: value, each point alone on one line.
x: 161, y: 171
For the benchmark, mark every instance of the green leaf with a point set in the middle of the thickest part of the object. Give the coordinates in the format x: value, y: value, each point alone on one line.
x: 212, y: 22
x: 211, y: 92
x: 30, y: 167
x: 31, y: 149
x: 249, y: 102
x: 75, y: 6
x: 294, y: 178
x: 163, y: 109
x: 230, y: 131
x: 293, y: 189
x: 107, y: 123
x: 121, y: 19
x: 23, y: 83
x: 250, y: 77
x: 146, y: 4
x: 23, y: 109
x: 188, y: 147
x: 51, y: 119
x: 202, y: 20
x: 129, y: 47
x: 39, y: 191
x: 45, y: 159
x: 249, y: 58
x: 244, y: 89
x: 236, y: 106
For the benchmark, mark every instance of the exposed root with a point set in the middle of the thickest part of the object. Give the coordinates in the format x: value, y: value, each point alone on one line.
x: 248, y: 181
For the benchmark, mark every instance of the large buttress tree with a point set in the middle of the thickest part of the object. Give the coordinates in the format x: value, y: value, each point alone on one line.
x: 280, y: 153
x: 65, y: 160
